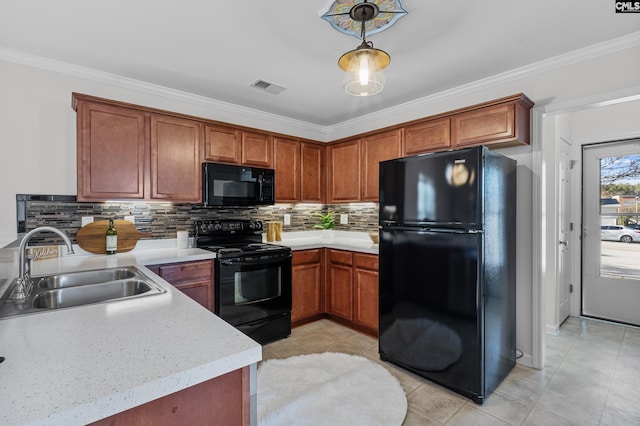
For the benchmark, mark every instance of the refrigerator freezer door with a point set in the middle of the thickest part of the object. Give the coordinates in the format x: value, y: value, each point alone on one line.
x: 441, y: 189
x: 430, y: 306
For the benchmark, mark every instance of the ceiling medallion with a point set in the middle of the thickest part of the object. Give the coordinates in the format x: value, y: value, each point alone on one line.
x: 375, y: 15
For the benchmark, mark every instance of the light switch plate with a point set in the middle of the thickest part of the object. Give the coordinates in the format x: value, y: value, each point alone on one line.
x: 131, y: 219
x: 85, y: 220
x: 287, y: 219
x: 344, y: 219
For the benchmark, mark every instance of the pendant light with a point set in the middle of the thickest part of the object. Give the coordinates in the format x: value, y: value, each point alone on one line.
x: 364, y: 64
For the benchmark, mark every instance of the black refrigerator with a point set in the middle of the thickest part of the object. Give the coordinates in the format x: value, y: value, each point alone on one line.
x: 447, y: 268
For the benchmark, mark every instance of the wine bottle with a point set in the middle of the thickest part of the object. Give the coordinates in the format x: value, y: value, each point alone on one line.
x: 112, y: 238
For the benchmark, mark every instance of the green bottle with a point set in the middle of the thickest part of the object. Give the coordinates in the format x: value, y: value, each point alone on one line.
x: 112, y: 238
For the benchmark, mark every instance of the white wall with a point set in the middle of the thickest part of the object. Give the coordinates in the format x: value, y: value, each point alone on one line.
x: 37, y: 134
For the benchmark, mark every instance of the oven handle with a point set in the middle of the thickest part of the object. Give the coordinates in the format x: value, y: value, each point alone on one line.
x: 236, y: 261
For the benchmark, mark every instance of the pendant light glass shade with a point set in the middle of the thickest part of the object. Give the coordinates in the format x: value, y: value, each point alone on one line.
x: 364, y: 67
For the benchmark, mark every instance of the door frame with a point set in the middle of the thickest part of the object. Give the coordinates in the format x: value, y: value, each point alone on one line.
x: 543, y: 160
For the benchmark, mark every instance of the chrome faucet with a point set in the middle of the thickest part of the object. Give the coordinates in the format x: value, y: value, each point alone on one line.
x: 24, y: 272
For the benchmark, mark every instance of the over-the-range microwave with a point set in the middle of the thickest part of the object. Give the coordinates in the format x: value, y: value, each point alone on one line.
x: 229, y: 185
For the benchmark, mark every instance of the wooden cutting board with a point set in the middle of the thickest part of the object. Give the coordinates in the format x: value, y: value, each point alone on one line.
x: 91, y: 237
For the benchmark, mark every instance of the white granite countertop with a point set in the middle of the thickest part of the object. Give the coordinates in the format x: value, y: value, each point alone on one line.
x: 343, y: 240
x: 74, y: 366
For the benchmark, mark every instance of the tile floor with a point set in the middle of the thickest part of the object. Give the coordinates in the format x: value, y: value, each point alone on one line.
x: 592, y: 377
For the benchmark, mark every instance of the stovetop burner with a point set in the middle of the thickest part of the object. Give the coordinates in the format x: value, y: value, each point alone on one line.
x: 233, y: 237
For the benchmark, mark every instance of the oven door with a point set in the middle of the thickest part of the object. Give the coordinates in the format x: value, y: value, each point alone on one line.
x: 250, y: 289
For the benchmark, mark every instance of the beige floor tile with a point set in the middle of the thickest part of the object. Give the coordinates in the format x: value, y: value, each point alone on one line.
x: 504, y: 407
x: 471, y: 415
x: 580, y: 411
x: 539, y: 417
x: 417, y: 419
x: 435, y: 402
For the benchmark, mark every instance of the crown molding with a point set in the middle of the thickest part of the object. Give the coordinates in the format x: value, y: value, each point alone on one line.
x: 591, y: 52
x: 229, y: 111
x: 270, y: 121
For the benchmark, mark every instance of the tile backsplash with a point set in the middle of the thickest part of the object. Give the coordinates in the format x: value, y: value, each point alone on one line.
x: 163, y: 220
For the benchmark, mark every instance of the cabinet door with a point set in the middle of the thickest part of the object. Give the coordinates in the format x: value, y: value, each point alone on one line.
x: 484, y: 126
x: 340, y: 284
x: 306, y: 291
x: 307, y: 284
x: 377, y: 148
x: 366, y: 298
x: 110, y: 153
x: 200, y: 291
x: 222, y: 144
x: 433, y: 135
x: 311, y: 176
x: 257, y: 149
x: 176, y: 146
x: 286, y: 160
x: 344, y: 172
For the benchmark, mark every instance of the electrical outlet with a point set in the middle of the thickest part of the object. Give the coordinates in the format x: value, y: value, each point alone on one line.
x: 287, y: 219
x: 85, y: 220
x: 344, y: 219
x: 131, y: 219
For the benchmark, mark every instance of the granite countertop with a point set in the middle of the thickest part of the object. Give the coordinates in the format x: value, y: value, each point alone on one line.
x: 78, y: 365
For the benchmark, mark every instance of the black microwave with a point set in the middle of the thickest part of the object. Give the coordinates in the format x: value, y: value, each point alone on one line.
x: 229, y: 185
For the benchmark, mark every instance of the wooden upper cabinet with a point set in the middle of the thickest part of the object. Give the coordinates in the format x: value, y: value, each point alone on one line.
x: 176, y: 146
x: 429, y: 136
x: 286, y: 160
x: 257, y: 149
x: 222, y: 144
x: 344, y: 172
x: 377, y: 148
x: 312, y: 176
x: 498, y: 124
x: 110, y: 152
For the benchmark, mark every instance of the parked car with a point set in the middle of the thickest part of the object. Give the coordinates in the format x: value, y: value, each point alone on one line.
x: 626, y: 234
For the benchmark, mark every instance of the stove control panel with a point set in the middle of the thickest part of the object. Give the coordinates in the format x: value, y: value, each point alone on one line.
x: 227, y: 226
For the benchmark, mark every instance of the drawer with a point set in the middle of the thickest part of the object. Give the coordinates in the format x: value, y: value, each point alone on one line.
x: 340, y: 256
x: 305, y: 256
x: 176, y: 273
x: 367, y: 261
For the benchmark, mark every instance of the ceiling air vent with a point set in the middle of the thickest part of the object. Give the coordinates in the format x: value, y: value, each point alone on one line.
x: 274, y: 89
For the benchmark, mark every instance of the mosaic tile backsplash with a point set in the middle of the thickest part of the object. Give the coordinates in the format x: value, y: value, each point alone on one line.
x: 163, y: 220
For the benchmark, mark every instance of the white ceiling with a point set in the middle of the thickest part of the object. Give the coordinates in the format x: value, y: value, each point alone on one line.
x: 217, y: 49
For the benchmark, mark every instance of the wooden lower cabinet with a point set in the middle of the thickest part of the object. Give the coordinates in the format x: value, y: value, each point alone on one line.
x: 340, y: 284
x: 352, y: 289
x: 222, y: 401
x: 365, y: 291
x: 195, y: 279
x: 307, y: 297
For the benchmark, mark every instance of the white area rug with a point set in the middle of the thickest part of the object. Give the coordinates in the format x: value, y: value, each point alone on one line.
x: 328, y: 389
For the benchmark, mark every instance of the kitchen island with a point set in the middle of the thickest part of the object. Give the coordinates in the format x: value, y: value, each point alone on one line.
x: 79, y: 365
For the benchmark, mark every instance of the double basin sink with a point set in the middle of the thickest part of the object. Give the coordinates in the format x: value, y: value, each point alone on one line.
x: 80, y: 288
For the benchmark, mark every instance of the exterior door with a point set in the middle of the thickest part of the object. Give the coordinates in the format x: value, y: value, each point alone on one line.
x: 564, y: 280
x: 611, y: 265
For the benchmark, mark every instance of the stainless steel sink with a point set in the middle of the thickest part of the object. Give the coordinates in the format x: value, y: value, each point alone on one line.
x: 84, y: 278
x: 87, y: 294
x: 80, y: 288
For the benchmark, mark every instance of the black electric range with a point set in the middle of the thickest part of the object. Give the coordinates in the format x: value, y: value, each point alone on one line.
x: 252, y: 278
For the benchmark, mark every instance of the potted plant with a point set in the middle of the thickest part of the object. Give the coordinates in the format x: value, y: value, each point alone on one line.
x: 327, y: 221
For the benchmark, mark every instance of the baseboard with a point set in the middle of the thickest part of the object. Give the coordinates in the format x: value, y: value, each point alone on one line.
x: 554, y: 330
